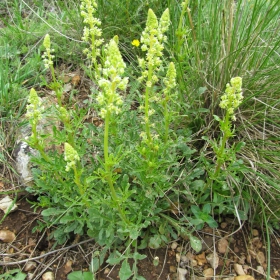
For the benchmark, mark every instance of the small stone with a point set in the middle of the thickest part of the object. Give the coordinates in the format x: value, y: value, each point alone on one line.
x: 179, y: 249
x: 244, y: 277
x: 30, y: 276
x: 106, y: 270
x: 7, y: 236
x: 260, y: 257
x: 201, y: 260
x: 193, y: 263
x: 213, y: 260
x: 238, y: 269
x: 172, y: 269
x: 184, y: 258
x: 181, y: 273
x: 223, y: 225
x: 255, y: 232
x: 48, y: 276
x: 178, y: 257
x: 235, y: 249
x: 7, y: 203
x: 209, y: 272
x: 29, y: 266
x: 68, y: 266
x: 174, y: 245
x: 222, y: 246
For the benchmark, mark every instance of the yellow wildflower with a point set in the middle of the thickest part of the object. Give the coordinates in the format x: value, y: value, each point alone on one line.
x: 135, y: 43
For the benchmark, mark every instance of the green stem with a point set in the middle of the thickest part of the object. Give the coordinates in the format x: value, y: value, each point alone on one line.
x: 147, y: 104
x: 166, y: 120
x: 37, y: 145
x: 220, y: 154
x: 108, y: 167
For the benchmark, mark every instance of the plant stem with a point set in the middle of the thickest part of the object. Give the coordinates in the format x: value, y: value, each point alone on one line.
x: 220, y: 154
x: 147, y: 104
x: 108, y: 167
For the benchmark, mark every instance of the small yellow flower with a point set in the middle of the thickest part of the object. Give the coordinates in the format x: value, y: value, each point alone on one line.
x: 135, y: 43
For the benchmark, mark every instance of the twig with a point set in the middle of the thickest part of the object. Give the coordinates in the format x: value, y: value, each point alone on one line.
x: 44, y: 255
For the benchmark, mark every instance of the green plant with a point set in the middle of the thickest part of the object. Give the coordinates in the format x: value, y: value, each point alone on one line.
x: 15, y: 274
x: 90, y: 196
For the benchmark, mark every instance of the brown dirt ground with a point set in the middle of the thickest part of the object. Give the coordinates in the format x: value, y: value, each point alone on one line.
x: 35, y: 246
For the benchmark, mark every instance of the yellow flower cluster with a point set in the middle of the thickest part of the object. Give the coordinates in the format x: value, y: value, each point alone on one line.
x: 34, y: 108
x: 70, y: 156
x: 91, y: 32
x: 232, y: 97
x: 152, y: 40
x: 111, y: 80
x: 48, y: 56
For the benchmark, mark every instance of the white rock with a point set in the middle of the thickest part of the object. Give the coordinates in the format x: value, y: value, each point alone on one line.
x: 260, y: 269
x: 238, y: 269
x: 174, y: 245
x: 7, y: 236
x: 30, y: 266
x: 213, y: 260
x: 48, y: 276
x: 181, y: 273
x: 222, y: 246
x: 260, y: 257
x: 6, y: 203
x: 209, y: 272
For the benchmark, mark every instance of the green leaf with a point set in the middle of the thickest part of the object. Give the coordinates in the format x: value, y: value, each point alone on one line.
x: 137, y: 256
x: 125, y: 271
x: 66, y: 219
x: 217, y: 118
x: 155, y: 242
x: 211, y: 222
x: 98, y: 260
x: 88, y: 276
x: 113, y: 259
x: 19, y: 276
x: 79, y: 275
x: 206, y: 208
x: 51, y: 212
x: 201, y: 90
x: 195, y: 243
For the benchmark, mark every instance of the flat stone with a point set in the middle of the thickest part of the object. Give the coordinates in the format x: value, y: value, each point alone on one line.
x: 238, y: 269
x: 213, y: 260
x: 222, y: 246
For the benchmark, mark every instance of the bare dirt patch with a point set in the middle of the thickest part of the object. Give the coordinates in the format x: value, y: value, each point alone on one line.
x: 33, y: 253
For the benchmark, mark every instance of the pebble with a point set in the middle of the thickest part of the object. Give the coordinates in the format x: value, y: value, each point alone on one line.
x: 29, y: 266
x: 107, y: 270
x: 174, y: 245
x: 213, y: 260
x: 178, y: 257
x: 48, y: 276
x: 238, y: 269
x: 223, y: 225
x: 7, y: 236
x: 222, y: 246
x: 244, y: 277
x: 260, y: 269
x: 208, y: 272
x: 260, y: 257
x: 181, y: 273
x: 255, y: 232
x: 7, y: 203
